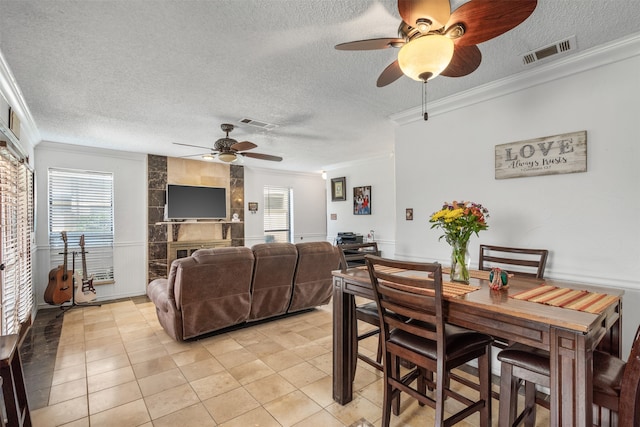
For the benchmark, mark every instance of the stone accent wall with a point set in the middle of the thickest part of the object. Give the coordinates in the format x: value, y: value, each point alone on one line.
x: 158, y: 231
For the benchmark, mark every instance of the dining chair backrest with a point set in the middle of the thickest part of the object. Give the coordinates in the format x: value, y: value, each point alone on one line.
x: 415, y: 293
x: 527, y: 262
x: 629, y: 405
x: 352, y: 254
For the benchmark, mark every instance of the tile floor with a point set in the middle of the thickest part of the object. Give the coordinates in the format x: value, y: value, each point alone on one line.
x: 114, y: 365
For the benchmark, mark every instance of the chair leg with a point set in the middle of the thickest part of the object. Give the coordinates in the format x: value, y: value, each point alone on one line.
x: 388, y: 391
x: 484, y: 365
x: 440, y: 395
x: 530, y: 403
x: 395, y: 368
x: 508, y: 396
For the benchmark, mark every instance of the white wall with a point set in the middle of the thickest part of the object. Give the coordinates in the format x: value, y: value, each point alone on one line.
x: 308, y: 201
x: 130, y: 196
x: 379, y: 174
x: 588, y: 220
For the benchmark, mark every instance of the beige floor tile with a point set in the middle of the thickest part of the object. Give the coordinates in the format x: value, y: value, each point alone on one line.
x: 68, y: 390
x: 201, y: 369
x: 292, y: 408
x: 82, y: 422
x: 196, y: 415
x: 230, y: 405
x: 172, y: 346
x: 109, y: 379
x: 147, y: 354
x: 320, y: 419
x: 108, y: 349
x: 265, y: 348
x: 153, y: 366
x: 161, y: 381
x: 320, y: 391
x: 141, y: 344
x: 107, y: 364
x: 250, y: 372
x: 255, y: 417
x: 323, y: 362
x: 214, y: 385
x: 70, y: 360
x: 269, y: 388
x: 220, y: 345
x: 235, y: 357
x: 113, y: 396
x: 302, y: 374
x: 169, y: 401
x: 192, y: 355
x: 282, y: 360
x: 60, y: 413
x: 67, y: 374
x: 358, y: 408
x: 111, y: 332
x: 130, y: 414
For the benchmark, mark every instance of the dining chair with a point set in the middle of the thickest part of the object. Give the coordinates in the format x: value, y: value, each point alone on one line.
x: 352, y: 255
x: 527, y: 262
x: 616, y: 384
x: 413, y: 329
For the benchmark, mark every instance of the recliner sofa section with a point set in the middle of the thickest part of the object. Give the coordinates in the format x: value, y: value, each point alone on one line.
x: 221, y: 287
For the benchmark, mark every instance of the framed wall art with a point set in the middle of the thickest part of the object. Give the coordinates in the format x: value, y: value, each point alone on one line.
x: 409, y: 214
x: 362, y: 200
x: 338, y: 189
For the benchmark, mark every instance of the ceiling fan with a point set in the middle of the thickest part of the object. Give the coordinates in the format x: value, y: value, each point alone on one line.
x: 228, y: 149
x: 434, y: 41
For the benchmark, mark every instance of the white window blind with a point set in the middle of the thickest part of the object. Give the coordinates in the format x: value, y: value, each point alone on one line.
x: 81, y: 203
x: 278, y: 203
x: 16, y: 230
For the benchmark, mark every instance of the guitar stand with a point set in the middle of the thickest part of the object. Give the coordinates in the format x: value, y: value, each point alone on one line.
x: 66, y: 308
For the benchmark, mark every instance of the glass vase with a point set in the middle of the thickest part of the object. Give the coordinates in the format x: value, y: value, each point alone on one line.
x: 460, y: 261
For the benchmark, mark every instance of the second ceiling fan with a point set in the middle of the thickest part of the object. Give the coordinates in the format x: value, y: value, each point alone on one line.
x: 228, y: 149
x: 434, y: 41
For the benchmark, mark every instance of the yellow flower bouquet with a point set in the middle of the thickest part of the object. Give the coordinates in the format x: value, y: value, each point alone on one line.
x: 458, y: 220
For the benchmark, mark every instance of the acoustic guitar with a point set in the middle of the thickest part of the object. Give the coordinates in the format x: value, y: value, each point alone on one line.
x: 85, y: 292
x: 60, y: 287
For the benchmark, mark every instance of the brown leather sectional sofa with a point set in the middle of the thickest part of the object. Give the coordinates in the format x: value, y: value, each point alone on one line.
x: 216, y: 288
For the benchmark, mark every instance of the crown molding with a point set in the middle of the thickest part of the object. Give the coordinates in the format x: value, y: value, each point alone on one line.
x: 589, y: 59
x: 11, y: 91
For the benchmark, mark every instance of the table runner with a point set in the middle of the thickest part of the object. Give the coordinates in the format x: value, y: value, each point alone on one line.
x: 574, y: 299
x: 449, y: 289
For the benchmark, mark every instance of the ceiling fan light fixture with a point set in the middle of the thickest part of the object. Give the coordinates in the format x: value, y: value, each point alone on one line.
x: 227, y: 157
x: 425, y: 57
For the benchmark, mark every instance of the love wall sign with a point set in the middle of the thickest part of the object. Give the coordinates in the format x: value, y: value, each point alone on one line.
x: 551, y: 155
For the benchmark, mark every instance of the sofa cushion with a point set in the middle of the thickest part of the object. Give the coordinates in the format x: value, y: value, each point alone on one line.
x: 273, y: 270
x: 312, y: 284
x: 213, y: 289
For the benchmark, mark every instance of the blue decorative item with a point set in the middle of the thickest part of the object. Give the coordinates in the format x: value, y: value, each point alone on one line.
x: 499, y: 278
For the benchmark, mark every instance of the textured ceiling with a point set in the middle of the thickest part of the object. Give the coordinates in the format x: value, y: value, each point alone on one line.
x: 139, y: 75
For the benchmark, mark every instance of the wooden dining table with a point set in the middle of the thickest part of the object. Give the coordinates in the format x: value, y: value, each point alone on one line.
x: 569, y: 335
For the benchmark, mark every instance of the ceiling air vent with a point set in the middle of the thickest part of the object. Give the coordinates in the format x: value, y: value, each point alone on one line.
x: 553, y: 50
x: 258, y: 124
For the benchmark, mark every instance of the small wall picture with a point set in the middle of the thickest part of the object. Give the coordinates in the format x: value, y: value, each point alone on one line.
x: 253, y: 207
x: 338, y: 189
x: 362, y: 200
x: 409, y: 214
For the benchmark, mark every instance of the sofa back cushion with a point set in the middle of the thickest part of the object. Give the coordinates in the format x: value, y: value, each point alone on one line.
x: 213, y: 288
x: 312, y: 283
x: 273, y: 269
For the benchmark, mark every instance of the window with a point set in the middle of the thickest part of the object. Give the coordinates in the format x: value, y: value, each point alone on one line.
x: 16, y: 230
x: 81, y: 203
x: 278, y: 217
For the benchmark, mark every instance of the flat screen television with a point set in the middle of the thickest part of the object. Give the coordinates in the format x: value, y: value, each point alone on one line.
x: 196, y: 202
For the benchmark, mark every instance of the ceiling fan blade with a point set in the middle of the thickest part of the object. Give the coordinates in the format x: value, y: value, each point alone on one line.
x: 486, y: 19
x: 243, y: 146
x: 262, y: 156
x: 371, y: 44
x: 189, y: 145
x: 390, y: 74
x: 437, y: 11
x: 465, y: 61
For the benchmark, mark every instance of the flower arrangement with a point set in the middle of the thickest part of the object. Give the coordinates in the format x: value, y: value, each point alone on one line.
x: 458, y: 220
